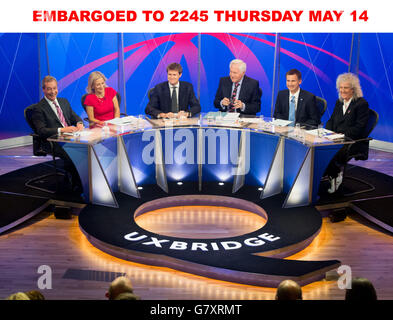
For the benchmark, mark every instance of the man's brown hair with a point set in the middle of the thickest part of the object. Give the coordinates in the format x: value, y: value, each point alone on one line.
x: 175, y: 67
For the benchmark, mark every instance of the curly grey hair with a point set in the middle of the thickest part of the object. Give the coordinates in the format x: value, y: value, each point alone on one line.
x: 353, y: 81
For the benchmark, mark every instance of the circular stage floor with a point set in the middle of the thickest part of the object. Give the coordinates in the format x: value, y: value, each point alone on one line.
x: 254, y: 257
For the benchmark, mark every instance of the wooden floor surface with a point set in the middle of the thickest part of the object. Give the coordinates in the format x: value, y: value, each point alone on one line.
x: 59, y: 244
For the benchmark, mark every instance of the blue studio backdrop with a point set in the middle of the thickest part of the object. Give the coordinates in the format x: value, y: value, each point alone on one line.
x: 133, y: 63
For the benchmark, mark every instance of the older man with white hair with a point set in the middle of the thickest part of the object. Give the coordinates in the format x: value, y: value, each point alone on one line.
x: 238, y: 93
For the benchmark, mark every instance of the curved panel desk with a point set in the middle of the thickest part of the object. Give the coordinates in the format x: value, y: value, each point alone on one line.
x: 126, y: 156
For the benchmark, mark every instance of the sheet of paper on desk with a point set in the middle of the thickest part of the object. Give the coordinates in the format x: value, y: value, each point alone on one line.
x: 83, y: 133
x: 314, y: 132
x: 231, y: 116
x: 250, y: 120
x: 213, y: 114
x: 228, y: 123
x: 122, y: 121
x: 335, y: 136
x: 281, y: 122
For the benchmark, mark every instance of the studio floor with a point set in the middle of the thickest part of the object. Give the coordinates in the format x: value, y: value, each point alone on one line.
x: 81, y: 271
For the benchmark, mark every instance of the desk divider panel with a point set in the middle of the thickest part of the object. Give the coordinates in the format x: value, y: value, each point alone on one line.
x: 79, y: 155
x: 161, y: 178
x: 101, y: 192
x: 300, y: 193
x: 274, y: 180
x: 106, y: 152
x: 243, y: 166
x: 126, y: 177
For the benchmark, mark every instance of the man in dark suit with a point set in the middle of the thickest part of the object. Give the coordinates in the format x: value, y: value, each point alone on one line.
x: 53, y: 115
x: 238, y: 93
x: 173, y: 97
x: 296, y: 104
x: 350, y: 117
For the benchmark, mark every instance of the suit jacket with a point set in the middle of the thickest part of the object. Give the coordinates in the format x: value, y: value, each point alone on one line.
x: 353, y: 123
x: 307, y: 111
x: 160, y: 99
x: 46, y: 121
x: 249, y: 94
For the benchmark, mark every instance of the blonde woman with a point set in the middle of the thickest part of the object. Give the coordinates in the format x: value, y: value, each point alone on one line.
x: 101, y: 102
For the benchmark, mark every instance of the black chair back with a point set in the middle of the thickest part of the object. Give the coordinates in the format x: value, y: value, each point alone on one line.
x: 83, y: 101
x: 150, y: 92
x: 359, y: 150
x: 118, y: 98
x: 321, y: 104
x: 28, y: 113
x: 373, y: 118
x: 38, y: 143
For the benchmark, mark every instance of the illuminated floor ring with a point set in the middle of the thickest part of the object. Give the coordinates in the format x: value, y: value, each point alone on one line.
x: 115, y: 232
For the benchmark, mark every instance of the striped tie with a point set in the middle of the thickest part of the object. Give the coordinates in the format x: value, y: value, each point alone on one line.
x: 61, y: 115
x: 233, y: 97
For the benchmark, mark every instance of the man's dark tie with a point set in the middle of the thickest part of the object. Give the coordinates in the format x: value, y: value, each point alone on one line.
x: 174, y: 101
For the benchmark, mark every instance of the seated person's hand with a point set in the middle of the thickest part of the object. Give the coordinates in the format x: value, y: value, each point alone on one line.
x: 182, y: 113
x: 69, y: 129
x: 80, y: 126
x: 225, y: 102
x: 168, y: 115
x: 237, y: 104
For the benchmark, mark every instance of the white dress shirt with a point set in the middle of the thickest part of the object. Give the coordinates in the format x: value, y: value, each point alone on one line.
x: 346, y: 105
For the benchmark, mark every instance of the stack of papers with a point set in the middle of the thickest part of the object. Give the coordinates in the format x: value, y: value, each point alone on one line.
x: 213, y: 114
x: 122, y: 121
x: 83, y: 133
x: 335, y: 136
x: 250, y: 120
x: 281, y: 123
x: 314, y: 132
x: 231, y: 116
